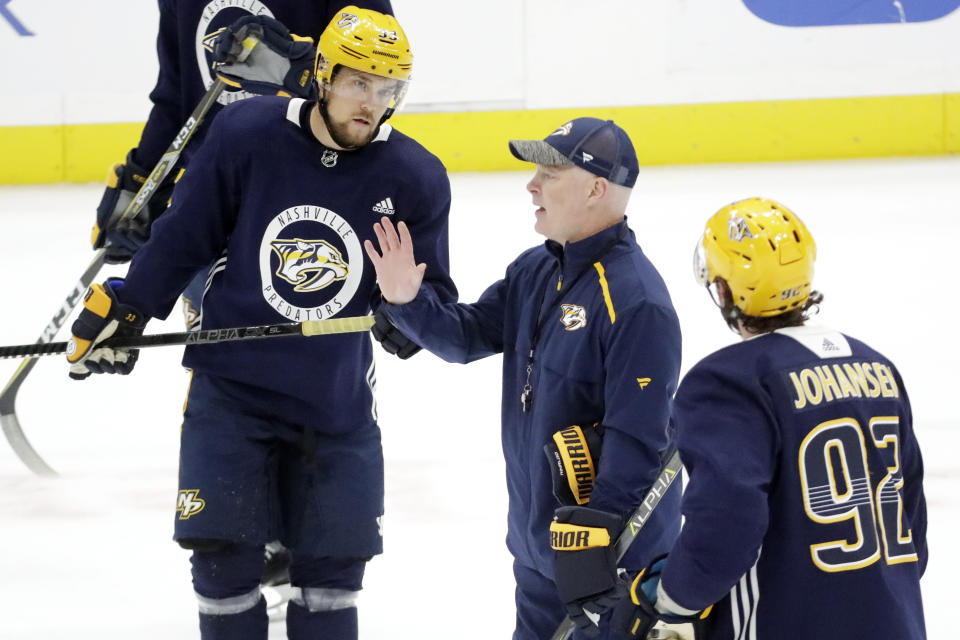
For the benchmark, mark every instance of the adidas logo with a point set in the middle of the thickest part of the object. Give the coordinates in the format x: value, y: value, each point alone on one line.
x: 829, y: 346
x: 384, y: 207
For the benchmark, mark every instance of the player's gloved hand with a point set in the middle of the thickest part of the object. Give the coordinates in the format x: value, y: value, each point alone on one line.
x: 122, y: 238
x: 647, y: 615
x: 573, y: 455
x: 585, y: 563
x: 280, y: 64
x: 391, y: 338
x: 102, y: 317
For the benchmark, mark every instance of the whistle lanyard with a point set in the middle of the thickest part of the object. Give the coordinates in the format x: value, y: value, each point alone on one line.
x: 526, y: 395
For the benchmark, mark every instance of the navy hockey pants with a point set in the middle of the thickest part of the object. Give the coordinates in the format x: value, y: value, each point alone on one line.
x: 250, y: 474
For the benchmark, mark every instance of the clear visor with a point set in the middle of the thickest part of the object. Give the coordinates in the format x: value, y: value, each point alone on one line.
x: 367, y: 88
x: 701, y: 272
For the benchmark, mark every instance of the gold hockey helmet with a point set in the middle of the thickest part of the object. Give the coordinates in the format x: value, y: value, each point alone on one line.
x: 367, y: 41
x: 764, y: 253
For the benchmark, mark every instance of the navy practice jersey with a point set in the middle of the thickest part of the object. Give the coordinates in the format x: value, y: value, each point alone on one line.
x: 606, y: 345
x: 282, y: 219
x: 185, y: 74
x: 805, y: 515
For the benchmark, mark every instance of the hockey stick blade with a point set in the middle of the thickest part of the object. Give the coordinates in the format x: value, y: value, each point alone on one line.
x: 668, y: 473
x: 353, y: 324
x: 8, y: 416
x: 8, y: 397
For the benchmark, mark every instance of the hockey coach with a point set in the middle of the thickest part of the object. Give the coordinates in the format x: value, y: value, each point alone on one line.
x: 591, y: 356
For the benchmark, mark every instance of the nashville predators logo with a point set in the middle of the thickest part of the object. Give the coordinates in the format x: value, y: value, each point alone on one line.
x: 311, y: 265
x: 574, y: 317
x: 214, y: 18
x: 563, y: 130
x: 738, y: 229
x: 189, y: 503
x: 208, y: 40
x: 347, y: 20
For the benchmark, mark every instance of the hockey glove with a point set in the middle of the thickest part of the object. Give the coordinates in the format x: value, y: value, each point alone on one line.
x: 102, y: 317
x: 643, y: 616
x: 585, y: 563
x: 573, y: 456
x: 391, y: 338
x: 122, y: 238
x: 280, y: 64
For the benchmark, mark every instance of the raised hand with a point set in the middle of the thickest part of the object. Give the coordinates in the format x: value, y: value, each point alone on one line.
x: 398, y: 273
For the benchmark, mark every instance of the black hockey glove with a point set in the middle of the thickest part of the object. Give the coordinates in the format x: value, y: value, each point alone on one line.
x: 280, y: 64
x: 122, y: 238
x: 640, y: 616
x: 573, y: 454
x: 585, y: 563
x: 391, y: 338
x: 102, y: 317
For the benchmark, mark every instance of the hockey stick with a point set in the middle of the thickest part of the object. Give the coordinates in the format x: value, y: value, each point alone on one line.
x: 639, y: 517
x: 352, y: 324
x: 8, y: 398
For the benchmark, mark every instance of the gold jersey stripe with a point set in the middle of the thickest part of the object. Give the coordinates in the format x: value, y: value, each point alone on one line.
x: 606, y: 292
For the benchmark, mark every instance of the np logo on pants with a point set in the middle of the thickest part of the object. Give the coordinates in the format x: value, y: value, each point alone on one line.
x: 189, y: 503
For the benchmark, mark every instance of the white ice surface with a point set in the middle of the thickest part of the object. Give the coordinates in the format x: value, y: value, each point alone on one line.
x: 88, y: 556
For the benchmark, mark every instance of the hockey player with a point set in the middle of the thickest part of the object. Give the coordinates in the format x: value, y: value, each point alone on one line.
x: 591, y: 357
x: 279, y: 438
x: 804, y: 512
x: 183, y: 51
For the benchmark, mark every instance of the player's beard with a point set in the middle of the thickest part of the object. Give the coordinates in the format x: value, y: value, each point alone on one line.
x: 340, y: 131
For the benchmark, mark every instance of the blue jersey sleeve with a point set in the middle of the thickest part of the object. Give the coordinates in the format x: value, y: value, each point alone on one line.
x: 455, y: 332
x: 194, y: 229
x: 641, y: 367
x: 727, y: 440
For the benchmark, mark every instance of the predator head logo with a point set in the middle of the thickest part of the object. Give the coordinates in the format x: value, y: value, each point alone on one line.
x: 574, y: 317
x: 311, y: 265
x: 738, y: 229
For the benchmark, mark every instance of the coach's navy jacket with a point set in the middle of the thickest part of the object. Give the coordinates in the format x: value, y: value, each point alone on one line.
x: 607, y: 350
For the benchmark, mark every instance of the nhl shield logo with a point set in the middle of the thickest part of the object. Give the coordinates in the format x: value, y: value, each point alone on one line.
x: 574, y: 317
x: 329, y: 158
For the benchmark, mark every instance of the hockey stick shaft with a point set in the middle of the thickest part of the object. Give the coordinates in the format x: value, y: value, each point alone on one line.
x: 638, y: 519
x: 351, y: 324
x: 169, y: 158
